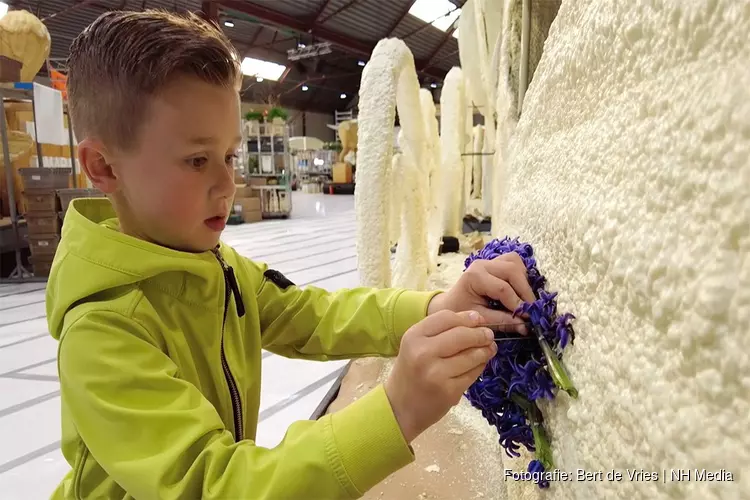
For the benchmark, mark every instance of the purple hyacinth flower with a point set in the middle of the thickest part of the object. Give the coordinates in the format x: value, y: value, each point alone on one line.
x: 520, y: 372
x: 535, y: 466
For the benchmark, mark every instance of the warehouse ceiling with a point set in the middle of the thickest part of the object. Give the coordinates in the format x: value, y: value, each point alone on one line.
x: 268, y: 29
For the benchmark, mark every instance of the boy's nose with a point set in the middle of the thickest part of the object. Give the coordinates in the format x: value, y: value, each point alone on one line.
x: 224, y: 186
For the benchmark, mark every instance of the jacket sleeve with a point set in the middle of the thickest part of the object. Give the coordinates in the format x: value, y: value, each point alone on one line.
x: 312, y: 323
x: 159, y: 438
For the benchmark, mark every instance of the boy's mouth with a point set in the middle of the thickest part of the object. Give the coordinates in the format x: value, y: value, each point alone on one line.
x: 217, y: 223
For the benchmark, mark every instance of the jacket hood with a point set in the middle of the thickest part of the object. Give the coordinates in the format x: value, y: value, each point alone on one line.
x: 98, y: 258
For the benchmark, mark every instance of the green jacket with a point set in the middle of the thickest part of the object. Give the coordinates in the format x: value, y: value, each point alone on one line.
x: 160, y: 362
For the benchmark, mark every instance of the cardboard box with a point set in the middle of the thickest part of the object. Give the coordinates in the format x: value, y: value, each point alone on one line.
x: 252, y: 216
x: 342, y: 173
x: 242, y: 205
x: 245, y: 191
x: 257, y: 181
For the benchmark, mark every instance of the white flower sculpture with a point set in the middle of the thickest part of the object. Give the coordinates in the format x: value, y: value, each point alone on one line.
x: 452, y: 139
x: 434, y: 164
x: 391, y: 72
x: 480, y: 27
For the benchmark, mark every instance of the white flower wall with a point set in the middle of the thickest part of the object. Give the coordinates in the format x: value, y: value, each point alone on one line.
x: 629, y: 172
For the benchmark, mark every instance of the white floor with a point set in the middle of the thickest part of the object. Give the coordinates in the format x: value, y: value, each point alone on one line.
x: 316, y: 246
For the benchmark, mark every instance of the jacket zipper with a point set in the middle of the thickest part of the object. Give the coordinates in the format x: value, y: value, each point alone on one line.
x: 231, y: 288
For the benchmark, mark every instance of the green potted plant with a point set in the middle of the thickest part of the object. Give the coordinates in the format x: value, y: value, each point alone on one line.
x: 278, y: 113
x: 253, y: 119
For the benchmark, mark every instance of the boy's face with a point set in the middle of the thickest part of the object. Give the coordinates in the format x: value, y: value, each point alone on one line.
x: 175, y: 188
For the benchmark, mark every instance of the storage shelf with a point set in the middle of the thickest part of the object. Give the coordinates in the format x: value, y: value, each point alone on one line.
x: 266, y: 154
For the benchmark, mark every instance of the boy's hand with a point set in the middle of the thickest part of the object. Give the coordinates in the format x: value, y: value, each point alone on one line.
x: 503, y: 278
x: 440, y: 357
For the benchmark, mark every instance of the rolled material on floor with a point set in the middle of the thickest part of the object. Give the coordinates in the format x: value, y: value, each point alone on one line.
x: 629, y: 174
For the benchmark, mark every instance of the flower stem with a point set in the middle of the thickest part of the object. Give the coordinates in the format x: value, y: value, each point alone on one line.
x: 542, y: 446
x: 541, y: 439
x: 557, y: 369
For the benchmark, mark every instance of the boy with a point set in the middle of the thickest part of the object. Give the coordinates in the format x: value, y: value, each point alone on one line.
x: 161, y: 326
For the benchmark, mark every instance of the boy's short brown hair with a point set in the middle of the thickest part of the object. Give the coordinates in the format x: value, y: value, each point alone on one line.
x: 124, y: 58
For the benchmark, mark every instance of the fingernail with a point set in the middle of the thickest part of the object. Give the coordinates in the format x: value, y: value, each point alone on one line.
x: 474, y: 316
x: 489, y: 334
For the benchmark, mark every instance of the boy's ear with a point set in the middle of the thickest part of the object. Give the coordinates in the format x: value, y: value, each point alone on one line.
x: 95, y: 161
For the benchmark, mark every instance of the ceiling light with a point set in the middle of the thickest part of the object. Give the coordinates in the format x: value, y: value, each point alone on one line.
x: 263, y: 69
x: 259, y: 79
x: 361, y: 63
x: 301, y: 45
x: 441, y: 13
x: 305, y: 88
x: 229, y: 24
x: 343, y: 96
x: 433, y: 85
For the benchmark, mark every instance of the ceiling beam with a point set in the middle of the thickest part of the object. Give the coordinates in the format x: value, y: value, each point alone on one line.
x: 75, y: 6
x: 283, y: 77
x: 446, y: 39
x: 280, y: 19
x: 438, y: 60
x: 350, y: 44
x: 400, y: 18
x: 338, y: 11
x: 323, y: 5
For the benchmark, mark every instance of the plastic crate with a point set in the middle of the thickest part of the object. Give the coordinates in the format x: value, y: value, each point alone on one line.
x: 68, y: 195
x: 41, y: 200
x: 41, y: 223
x: 45, y: 178
x: 43, y: 244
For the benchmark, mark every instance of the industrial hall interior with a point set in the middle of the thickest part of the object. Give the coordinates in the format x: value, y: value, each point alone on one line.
x: 379, y: 249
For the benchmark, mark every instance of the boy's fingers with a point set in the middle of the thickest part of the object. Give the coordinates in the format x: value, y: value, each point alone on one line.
x: 468, y: 360
x: 445, y: 320
x: 510, y: 268
x: 463, y: 382
x: 456, y: 340
x: 487, y: 284
x: 502, y: 318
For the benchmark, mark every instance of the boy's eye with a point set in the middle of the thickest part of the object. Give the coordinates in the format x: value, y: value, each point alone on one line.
x: 229, y: 159
x: 199, y: 162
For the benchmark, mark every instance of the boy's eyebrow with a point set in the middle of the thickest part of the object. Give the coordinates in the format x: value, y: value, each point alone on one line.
x: 202, y: 141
